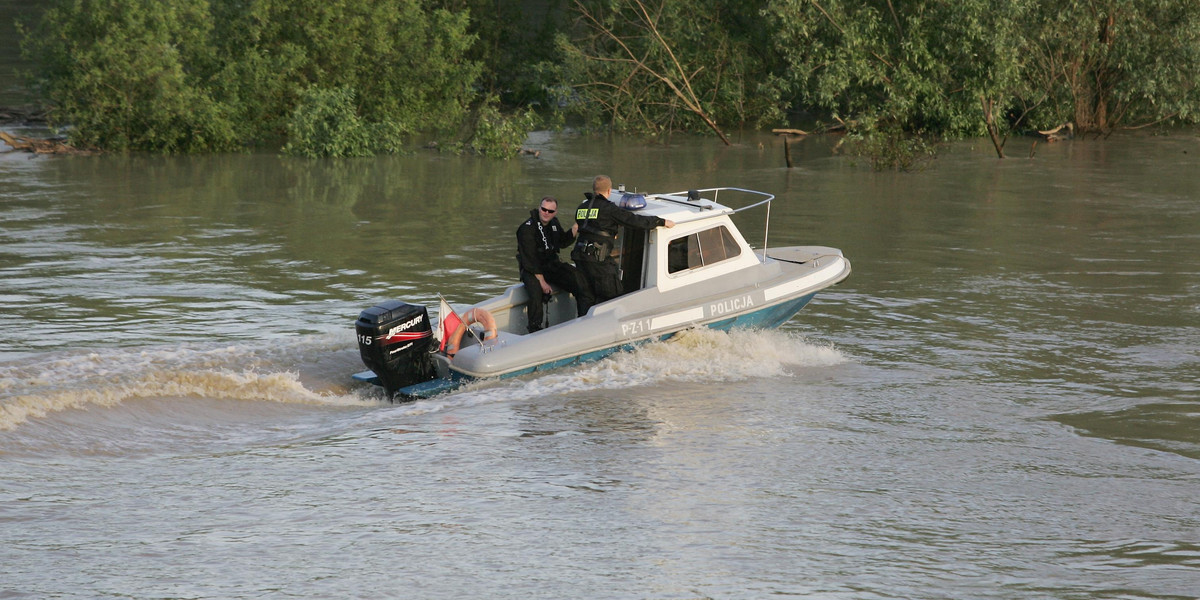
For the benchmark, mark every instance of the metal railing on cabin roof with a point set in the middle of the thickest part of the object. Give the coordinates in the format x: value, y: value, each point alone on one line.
x: 685, y: 198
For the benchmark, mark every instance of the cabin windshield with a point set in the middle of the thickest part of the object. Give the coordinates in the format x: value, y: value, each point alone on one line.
x: 700, y: 249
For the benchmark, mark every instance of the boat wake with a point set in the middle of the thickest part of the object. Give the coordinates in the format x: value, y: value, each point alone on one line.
x: 254, y: 393
x: 694, y: 355
x: 36, y: 388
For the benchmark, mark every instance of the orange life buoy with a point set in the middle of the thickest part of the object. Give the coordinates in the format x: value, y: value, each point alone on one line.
x: 475, y: 315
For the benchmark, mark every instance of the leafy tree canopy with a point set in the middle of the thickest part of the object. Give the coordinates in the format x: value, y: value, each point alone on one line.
x: 929, y: 66
x: 362, y: 76
x: 192, y: 75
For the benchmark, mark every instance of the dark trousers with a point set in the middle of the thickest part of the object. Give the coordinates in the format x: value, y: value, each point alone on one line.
x: 564, y: 276
x: 604, y: 277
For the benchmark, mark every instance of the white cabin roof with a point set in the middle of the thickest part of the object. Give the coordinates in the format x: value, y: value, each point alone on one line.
x: 702, y: 217
x: 675, y: 207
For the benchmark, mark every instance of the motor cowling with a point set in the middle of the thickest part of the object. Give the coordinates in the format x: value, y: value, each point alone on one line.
x: 394, y: 341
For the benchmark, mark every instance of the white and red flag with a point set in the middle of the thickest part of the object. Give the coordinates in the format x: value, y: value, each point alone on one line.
x: 448, y: 322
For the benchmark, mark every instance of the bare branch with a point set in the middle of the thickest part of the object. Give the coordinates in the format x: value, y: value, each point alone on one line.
x: 685, y: 93
x: 896, y: 19
x: 989, y: 118
x: 1152, y: 123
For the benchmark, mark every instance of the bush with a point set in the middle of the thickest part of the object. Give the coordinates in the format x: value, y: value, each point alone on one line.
x: 119, y: 72
x: 498, y: 135
x: 215, y: 75
x: 893, y: 149
x: 326, y: 123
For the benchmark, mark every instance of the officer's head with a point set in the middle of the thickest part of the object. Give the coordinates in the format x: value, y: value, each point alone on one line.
x: 602, y: 185
x: 547, y: 209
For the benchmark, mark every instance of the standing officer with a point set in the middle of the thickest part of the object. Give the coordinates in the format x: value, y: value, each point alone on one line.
x: 538, y: 241
x: 598, y: 219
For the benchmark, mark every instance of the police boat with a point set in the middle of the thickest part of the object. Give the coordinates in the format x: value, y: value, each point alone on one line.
x: 700, y: 273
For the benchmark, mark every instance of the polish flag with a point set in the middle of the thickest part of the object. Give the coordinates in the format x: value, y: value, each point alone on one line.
x: 449, y: 322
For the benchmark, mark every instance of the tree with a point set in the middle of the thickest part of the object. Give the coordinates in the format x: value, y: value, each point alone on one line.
x: 926, y: 66
x: 656, y: 66
x: 514, y: 42
x: 919, y: 66
x: 214, y: 75
x: 1105, y: 64
x: 204, y: 75
x: 119, y: 72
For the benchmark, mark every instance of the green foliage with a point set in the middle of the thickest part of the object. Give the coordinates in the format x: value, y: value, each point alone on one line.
x: 892, y: 149
x: 652, y: 66
x: 407, y: 63
x: 917, y: 66
x: 498, y: 135
x: 1107, y: 63
x: 347, y: 77
x: 515, y: 46
x: 197, y: 75
x: 928, y: 65
x: 118, y: 72
x: 326, y: 124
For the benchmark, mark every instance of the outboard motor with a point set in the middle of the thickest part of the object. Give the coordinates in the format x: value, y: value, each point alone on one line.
x: 394, y: 340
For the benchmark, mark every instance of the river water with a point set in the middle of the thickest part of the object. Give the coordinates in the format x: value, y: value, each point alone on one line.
x: 1002, y: 401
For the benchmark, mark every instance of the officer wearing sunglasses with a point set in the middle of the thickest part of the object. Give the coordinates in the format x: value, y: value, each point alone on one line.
x: 539, y: 239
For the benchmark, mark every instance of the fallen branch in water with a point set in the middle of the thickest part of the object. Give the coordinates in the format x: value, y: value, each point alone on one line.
x: 37, y: 146
x: 1065, y: 131
x: 834, y: 128
x: 25, y: 116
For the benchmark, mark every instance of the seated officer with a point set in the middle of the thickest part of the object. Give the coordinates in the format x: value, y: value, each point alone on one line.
x: 538, y: 241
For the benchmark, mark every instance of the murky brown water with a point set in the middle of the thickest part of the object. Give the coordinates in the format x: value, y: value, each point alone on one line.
x: 1001, y: 402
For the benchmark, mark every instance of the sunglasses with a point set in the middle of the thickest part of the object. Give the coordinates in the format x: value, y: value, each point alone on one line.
x: 547, y: 211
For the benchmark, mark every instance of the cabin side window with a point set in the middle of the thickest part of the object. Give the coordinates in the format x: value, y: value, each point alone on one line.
x: 700, y: 249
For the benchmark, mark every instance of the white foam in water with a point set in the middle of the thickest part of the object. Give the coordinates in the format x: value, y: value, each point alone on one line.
x: 254, y: 372
x: 692, y: 355
x: 271, y: 372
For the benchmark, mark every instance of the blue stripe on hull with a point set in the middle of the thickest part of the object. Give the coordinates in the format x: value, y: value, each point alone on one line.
x: 769, y: 317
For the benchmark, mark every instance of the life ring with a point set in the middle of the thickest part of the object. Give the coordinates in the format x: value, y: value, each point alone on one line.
x: 475, y: 315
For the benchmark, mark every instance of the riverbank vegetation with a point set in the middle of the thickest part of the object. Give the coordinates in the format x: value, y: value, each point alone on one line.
x: 360, y: 77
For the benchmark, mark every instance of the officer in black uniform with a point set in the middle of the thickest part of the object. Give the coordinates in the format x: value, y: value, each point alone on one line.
x: 538, y: 241
x: 598, y: 220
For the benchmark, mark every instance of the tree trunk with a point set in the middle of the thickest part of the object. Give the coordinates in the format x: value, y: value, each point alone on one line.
x: 989, y: 118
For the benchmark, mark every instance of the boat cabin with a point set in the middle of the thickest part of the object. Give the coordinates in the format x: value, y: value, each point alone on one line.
x: 704, y: 244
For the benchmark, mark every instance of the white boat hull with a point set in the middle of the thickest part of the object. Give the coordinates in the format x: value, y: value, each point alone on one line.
x: 763, y: 295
